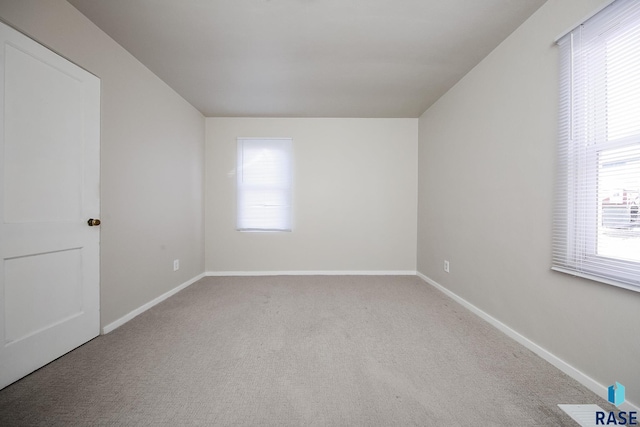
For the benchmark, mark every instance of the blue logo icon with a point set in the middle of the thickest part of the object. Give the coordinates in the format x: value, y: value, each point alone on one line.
x: 616, y: 394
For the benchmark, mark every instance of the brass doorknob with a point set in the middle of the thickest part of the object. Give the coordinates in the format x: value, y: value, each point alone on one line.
x: 93, y: 222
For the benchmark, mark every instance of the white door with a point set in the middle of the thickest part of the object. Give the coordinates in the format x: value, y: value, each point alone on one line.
x: 49, y: 176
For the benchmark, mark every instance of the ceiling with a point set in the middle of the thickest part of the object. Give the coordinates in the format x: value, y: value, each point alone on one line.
x: 309, y: 58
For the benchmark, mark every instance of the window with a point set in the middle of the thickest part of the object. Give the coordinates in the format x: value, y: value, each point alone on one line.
x: 264, y: 184
x: 597, y: 223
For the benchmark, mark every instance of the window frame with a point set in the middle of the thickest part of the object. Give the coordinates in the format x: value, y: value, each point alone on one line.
x: 578, y: 212
x: 286, y: 188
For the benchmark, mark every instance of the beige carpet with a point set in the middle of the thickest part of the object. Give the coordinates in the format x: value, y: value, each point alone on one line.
x: 298, y: 351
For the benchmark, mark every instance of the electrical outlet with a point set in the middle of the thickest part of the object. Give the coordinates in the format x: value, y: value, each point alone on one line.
x: 446, y: 265
x: 176, y: 264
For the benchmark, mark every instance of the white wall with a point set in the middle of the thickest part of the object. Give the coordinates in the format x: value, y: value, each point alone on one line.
x: 355, y: 196
x: 486, y: 181
x: 152, y: 151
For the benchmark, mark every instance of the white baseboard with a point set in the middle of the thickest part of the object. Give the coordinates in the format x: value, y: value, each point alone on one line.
x: 314, y: 273
x: 574, y: 373
x: 124, y: 319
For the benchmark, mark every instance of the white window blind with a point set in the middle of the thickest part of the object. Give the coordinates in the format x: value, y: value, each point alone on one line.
x: 597, y: 223
x: 264, y: 175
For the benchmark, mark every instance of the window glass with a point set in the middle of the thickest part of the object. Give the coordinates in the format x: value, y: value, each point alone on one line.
x: 264, y: 174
